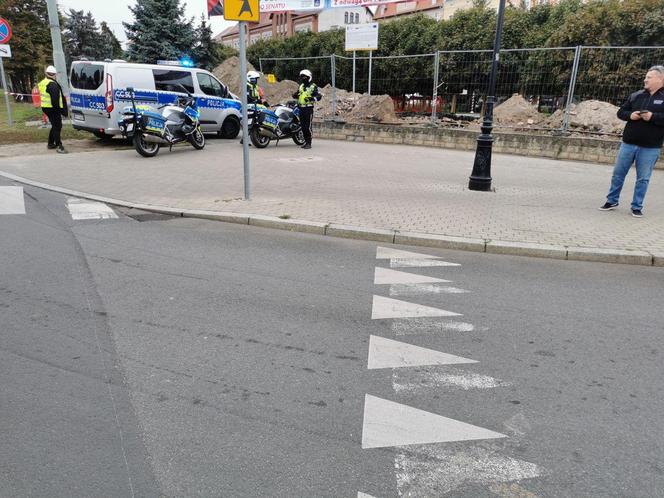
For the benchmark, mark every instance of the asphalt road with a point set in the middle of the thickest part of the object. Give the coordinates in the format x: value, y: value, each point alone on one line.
x: 157, y: 356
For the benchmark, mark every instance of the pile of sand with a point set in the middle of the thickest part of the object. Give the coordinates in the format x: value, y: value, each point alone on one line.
x: 517, y: 111
x: 228, y: 73
x: 590, y: 115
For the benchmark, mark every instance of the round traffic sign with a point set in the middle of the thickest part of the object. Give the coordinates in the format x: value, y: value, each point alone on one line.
x: 5, y: 31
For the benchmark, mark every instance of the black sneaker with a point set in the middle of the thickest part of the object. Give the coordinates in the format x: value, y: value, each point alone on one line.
x: 637, y: 213
x: 306, y: 146
x: 61, y: 150
x: 51, y: 146
x: 608, y: 206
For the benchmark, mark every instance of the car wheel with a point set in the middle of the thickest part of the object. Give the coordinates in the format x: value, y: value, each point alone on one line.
x: 230, y: 128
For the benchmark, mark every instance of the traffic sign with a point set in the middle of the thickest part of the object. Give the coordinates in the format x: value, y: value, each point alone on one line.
x: 5, y: 31
x: 5, y: 51
x: 241, y: 10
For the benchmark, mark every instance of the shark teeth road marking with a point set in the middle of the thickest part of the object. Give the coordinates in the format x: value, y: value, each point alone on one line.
x: 426, y: 378
x: 418, y: 263
x: 438, y: 470
x: 11, y: 200
x: 386, y: 353
x: 385, y: 307
x: 387, y: 276
x: 412, y: 326
x: 387, y: 423
x: 363, y: 495
x: 423, y: 289
x: 389, y: 253
x: 82, y: 209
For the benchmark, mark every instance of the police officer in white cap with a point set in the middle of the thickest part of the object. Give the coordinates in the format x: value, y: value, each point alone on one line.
x: 54, y: 105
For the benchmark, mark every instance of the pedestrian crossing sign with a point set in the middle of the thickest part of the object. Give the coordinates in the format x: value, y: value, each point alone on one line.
x: 241, y: 10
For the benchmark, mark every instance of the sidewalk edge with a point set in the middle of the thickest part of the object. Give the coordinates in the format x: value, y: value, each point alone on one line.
x: 392, y: 236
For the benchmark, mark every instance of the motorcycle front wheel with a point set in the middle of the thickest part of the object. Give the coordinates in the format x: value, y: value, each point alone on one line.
x: 197, y: 139
x: 259, y: 141
x: 145, y: 149
x: 298, y: 138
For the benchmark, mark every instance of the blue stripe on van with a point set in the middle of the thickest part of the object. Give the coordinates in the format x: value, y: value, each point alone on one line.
x: 82, y: 101
x: 98, y: 102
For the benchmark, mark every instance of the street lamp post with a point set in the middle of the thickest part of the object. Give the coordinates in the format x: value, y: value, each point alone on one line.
x: 480, y: 178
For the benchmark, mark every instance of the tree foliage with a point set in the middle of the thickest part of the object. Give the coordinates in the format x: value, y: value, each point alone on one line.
x: 31, y: 43
x: 159, y: 31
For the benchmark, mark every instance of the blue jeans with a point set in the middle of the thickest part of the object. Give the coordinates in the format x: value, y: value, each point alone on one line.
x: 645, y: 159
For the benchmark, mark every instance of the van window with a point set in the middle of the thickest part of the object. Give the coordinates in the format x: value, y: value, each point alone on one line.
x: 210, y: 86
x: 87, y: 76
x: 169, y: 80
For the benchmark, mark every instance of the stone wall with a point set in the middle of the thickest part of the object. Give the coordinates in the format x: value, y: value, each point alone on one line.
x: 594, y: 150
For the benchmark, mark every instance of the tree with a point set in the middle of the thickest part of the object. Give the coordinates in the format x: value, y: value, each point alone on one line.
x: 159, y: 31
x: 111, y: 45
x: 31, y: 43
x: 81, y: 37
x: 205, y: 53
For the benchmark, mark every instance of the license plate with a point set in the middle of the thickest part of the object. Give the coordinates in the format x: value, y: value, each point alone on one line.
x: 130, y: 127
x: 78, y: 116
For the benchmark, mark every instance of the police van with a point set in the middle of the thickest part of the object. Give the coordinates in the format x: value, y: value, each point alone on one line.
x: 99, y: 94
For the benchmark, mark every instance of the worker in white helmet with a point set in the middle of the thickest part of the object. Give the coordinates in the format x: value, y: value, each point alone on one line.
x: 54, y: 105
x: 306, y: 95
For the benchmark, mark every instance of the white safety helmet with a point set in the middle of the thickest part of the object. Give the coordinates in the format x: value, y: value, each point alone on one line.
x: 252, y: 76
x: 307, y: 73
x: 51, y: 70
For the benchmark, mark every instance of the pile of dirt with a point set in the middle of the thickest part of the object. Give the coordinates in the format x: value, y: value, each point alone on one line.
x: 590, y: 115
x: 517, y: 111
x: 356, y: 106
x: 279, y: 92
x: 228, y: 73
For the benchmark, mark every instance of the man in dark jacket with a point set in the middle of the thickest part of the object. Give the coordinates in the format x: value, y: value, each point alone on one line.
x: 642, y: 140
x: 306, y: 95
x: 54, y: 105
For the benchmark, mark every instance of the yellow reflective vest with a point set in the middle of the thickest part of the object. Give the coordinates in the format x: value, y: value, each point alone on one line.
x: 45, y: 96
x: 306, y: 95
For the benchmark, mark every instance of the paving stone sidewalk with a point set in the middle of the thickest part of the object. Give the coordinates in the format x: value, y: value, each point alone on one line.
x: 394, y: 187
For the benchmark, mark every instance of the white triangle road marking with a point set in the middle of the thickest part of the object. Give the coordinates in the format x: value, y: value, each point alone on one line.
x: 386, y: 353
x: 363, y: 495
x: 389, y: 253
x: 387, y: 276
x: 387, y: 423
x: 385, y: 307
x: 11, y: 200
x: 83, y: 209
x: 397, y: 290
x: 418, y: 263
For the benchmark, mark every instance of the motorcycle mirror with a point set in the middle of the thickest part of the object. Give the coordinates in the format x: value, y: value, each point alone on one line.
x: 130, y: 89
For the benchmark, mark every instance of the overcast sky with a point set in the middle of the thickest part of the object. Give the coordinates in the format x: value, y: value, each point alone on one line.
x: 115, y: 12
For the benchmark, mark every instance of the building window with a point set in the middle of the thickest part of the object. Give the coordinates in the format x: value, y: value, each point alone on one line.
x: 357, y: 18
x: 345, y: 17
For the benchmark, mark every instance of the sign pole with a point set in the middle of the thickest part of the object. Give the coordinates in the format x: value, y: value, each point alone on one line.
x: 369, y: 90
x: 6, y: 88
x: 245, y: 124
x: 353, y: 71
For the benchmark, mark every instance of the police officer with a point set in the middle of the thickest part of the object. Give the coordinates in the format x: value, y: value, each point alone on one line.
x: 54, y: 105
x: 306, y: 95
x: 254, y: 92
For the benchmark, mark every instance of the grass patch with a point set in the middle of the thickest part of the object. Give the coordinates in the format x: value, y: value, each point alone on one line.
x: 285, y: 216
x: 20, y: 133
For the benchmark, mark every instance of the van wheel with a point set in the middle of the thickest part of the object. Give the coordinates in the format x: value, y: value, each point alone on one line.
x: 230, y: 128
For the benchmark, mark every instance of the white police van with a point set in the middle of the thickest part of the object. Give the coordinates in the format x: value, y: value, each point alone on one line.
x: 99, y: 93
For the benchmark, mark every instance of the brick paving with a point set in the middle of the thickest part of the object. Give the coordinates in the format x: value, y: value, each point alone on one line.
x: 406, y: 188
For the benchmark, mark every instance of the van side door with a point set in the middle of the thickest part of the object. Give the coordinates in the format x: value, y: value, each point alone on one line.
x: 212, y: 104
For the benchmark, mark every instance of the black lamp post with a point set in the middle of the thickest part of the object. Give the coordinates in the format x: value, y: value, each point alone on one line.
x: 480, y: 178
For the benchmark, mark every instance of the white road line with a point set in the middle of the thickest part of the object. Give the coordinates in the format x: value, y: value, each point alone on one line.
x: 387, y: 276
x: 387, y: 423
x: 432, y: 377
x: 412, y: 326
x: 363, y: 495
x: 11, y: 200
x: 386, y: 353
x: 418, y: 263
x: 389, y: 253
x: 397, y: 290
x: 385, y: 307
x: 83, y: 209
x: 438, y: 470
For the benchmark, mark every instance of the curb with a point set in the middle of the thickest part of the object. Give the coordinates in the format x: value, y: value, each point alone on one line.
x: 570, y: 253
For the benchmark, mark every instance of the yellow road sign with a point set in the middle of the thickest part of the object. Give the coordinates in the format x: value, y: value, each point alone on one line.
x: 271, y: 78
x: 241, y: 10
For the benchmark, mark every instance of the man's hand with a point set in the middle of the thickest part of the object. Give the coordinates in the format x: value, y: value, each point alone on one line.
x: 635, y: 116
x: 646, y: 115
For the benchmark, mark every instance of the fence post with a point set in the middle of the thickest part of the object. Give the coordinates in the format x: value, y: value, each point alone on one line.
x: 434, y: 98
x: 260, y: 65
x: 353, y: 71
x: 334, y: 86
x: 369, y: 87
x: 570, y: 91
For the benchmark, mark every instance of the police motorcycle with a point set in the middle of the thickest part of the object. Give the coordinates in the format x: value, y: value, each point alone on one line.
x: 176, y: 123
x: 279, y: 123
